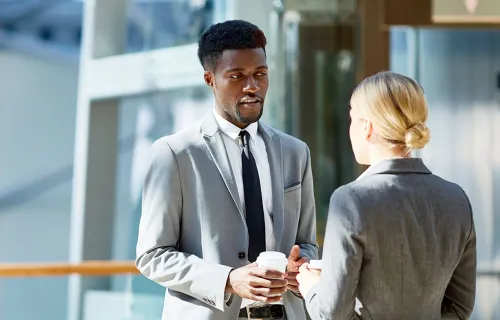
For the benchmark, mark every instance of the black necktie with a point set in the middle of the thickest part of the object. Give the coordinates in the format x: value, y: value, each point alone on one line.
x: 253, y: 201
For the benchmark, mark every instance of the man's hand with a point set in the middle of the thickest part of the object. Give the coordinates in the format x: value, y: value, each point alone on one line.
x: 294, y: 263
x: 252, y: 282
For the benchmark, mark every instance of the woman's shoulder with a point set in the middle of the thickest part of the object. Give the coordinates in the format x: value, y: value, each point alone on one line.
x: 380, y: 188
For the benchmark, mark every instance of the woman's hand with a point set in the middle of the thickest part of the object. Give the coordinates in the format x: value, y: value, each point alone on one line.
x: 306, y: 279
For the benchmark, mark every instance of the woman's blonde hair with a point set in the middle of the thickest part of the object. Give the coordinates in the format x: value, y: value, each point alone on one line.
x: 397, y: 108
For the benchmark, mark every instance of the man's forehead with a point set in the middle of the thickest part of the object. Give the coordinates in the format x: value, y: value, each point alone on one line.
x: 241, y: 58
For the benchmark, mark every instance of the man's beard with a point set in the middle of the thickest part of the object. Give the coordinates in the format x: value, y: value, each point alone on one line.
x: 237, y: 116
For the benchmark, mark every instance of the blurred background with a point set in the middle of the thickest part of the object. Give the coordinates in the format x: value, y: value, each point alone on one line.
x: 87, y: 86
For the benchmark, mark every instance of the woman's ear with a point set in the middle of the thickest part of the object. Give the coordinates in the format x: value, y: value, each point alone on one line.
x: 368, y: 130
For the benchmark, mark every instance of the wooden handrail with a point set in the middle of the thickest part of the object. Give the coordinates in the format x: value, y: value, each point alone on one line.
x: 104, y: 268
x: 86, y: 268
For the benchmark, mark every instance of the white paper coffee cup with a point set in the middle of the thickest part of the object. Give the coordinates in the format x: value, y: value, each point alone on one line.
x: 272, y: 260
x: 315, y: 264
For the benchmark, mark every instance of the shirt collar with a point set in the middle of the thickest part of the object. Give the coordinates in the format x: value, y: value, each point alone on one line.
x: 233, y: 131
x: 364, y: 174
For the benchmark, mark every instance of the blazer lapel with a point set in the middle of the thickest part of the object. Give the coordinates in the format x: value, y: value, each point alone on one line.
x: 274, y: 154
x: 215, y: 144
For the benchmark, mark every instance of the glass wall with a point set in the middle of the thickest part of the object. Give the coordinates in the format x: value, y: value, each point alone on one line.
x: 320, y: 57
x: 162, y: 24
x: 459, y: 70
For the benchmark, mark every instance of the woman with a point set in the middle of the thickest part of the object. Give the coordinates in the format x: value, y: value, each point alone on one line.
x: 399, y: 239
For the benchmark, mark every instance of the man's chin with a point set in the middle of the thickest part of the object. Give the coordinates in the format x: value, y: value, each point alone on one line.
x: 250, y: 117
x: 250, y: 120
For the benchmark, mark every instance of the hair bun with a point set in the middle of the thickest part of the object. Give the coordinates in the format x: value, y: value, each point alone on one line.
x: 417, y: 136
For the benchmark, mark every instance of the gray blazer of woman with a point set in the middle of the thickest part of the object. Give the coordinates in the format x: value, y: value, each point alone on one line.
x: 400, y: 240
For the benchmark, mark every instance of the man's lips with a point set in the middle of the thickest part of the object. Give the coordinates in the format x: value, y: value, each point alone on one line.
x: 250, y: 105
x: 251, y: 102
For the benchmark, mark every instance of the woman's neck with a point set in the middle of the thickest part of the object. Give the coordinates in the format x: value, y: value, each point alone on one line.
x: 378, y: 154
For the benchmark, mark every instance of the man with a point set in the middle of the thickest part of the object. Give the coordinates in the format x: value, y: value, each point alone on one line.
x: 222, y: 191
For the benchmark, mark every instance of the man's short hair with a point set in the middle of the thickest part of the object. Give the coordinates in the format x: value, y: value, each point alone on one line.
x: 228, y: 35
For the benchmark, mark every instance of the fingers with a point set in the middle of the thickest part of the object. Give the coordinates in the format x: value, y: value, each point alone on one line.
x: 304, y: 272
x: 258, y: 284
x: 267, y: 283
x: 300, y: 278
x: 294, y: 253
x: 268, y: 292
x: 268, y: 274
x: 273, y: 299
x: 267, y: 295
x: 303, y: 268
x: 292, y: 279
x: 264, y: 299
x: 294, y: 288
x: 294, y: 265
x: 292, y: 282
x: 301, y: 261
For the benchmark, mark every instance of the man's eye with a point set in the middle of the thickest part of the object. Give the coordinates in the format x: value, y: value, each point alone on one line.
x: 261, y: 74
x: 235, y: 76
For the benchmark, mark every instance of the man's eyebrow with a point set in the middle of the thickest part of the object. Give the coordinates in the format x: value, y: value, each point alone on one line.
x: 235, y: 70
x: 241, y: 69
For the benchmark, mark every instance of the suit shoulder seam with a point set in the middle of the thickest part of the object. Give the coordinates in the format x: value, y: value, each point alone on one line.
x: 176, y: 165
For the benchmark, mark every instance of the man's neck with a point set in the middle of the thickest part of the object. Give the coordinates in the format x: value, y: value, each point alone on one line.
x: 228, y: 118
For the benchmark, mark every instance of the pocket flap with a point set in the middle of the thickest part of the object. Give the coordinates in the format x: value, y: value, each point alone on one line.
x: 293, y: 187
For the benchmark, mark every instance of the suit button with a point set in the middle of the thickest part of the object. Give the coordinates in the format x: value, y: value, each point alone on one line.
x: 242, y: 255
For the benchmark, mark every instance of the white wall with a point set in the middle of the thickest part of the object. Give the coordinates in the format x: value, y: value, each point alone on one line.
x: 37, y: 119
x: 37, y: 105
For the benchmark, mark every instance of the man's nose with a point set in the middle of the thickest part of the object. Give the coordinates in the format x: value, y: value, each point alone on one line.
x: 251, y: 86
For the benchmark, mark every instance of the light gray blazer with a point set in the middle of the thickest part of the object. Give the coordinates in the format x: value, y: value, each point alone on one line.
x: 193, y: 231
x: 402, y: 241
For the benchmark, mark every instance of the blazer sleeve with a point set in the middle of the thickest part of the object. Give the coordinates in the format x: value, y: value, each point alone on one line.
x: 306, y: 232
x: 459, y: 297
x: 334, y: 297
x: 158, y: 257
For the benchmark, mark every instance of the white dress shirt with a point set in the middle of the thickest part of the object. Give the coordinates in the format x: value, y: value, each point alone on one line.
x: 234, y: 148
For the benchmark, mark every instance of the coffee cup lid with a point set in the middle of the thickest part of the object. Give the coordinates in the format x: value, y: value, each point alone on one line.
x: 273, y: 260
x: 315, y: 264
x: 272, y: 254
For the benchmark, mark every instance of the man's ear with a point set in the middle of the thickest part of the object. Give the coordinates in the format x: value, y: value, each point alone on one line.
x: 209, y: 78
